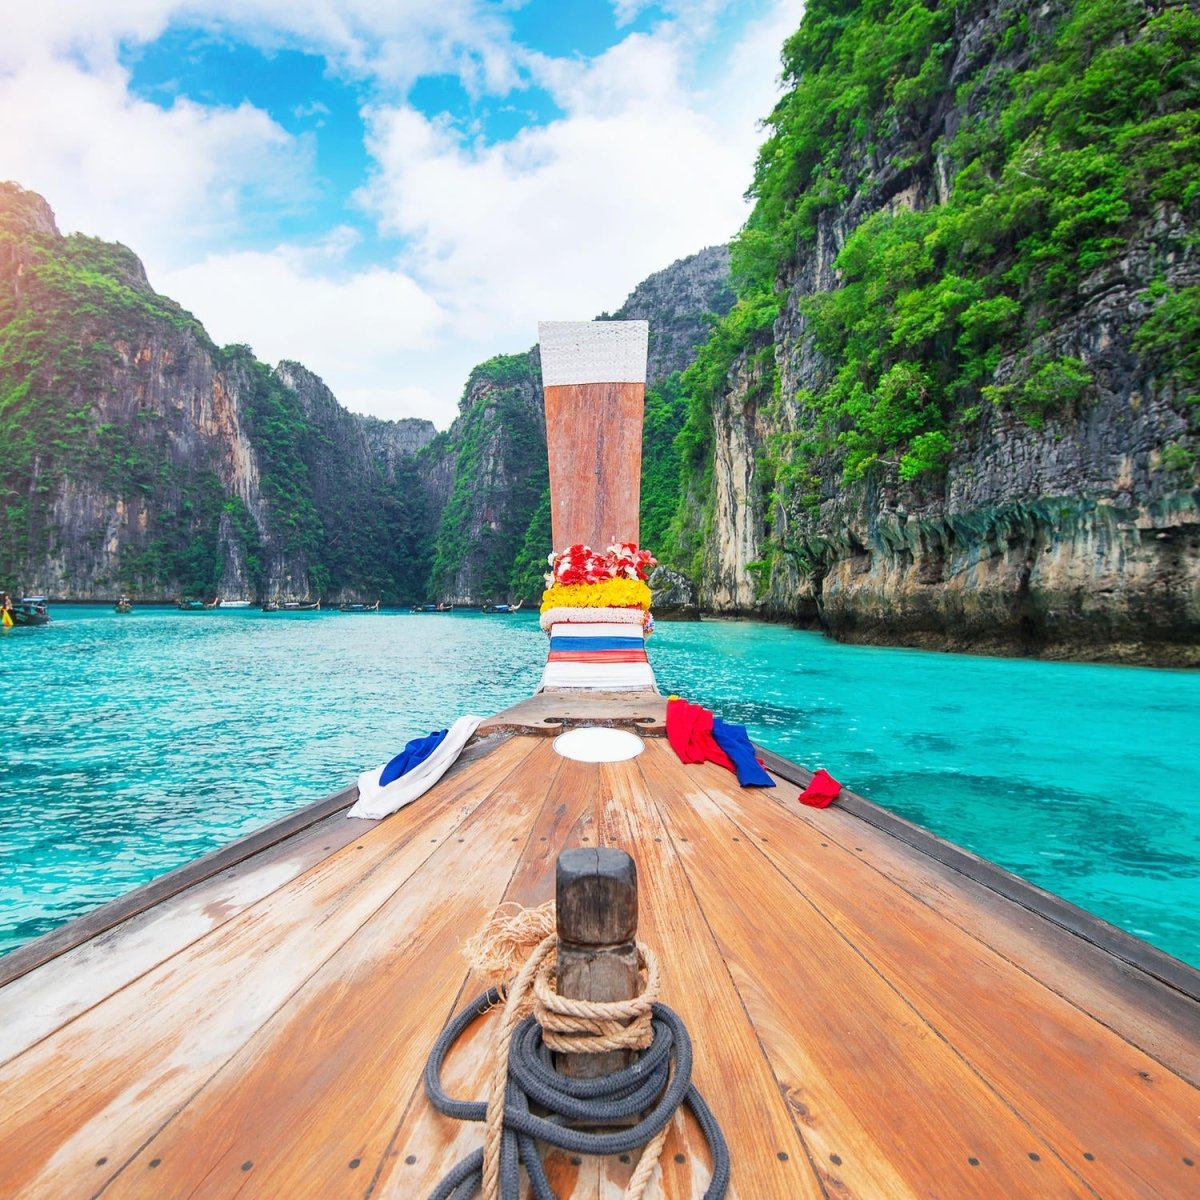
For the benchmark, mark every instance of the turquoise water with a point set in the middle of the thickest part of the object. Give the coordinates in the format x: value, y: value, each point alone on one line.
x: 135, y: 743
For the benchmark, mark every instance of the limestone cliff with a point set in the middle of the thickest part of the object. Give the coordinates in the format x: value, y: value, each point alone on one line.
x: 137, y: 456
x: 496, y: 450
x: 392, y: 443
x: 680, y: 303
x: 993, y: 447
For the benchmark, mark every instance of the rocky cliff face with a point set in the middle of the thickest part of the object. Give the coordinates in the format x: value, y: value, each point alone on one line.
x: 1074, y: 531
x: 498, y: 471
x: 132, y: 434
x: 137, y: 456
x: 679, y: 302
x: 392, y: 443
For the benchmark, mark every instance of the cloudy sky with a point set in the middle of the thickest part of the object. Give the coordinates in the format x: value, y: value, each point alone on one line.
x: 391, y: 191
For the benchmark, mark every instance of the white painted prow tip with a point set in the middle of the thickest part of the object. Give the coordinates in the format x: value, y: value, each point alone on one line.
x: 593, y: 351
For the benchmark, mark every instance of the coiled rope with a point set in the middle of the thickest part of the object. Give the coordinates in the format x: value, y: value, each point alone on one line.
x: 651, y: 1089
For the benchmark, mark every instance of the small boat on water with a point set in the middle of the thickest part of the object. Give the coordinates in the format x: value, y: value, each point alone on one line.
x: 190, y: 605
x: 124, y: 604
x: 234, y: 603
x: 30, y: 610
x: 433, y: 608
x: 291, y: 605
x: 503, y: 608
x: 359, y: 608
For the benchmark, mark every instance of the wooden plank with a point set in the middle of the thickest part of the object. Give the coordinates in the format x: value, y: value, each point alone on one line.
x: 425, y: 1144
x: 596, y: 904
x: 77, y: 1105
x: 889, y: 1108
x: 594, y: 441
x: 1054, y: 909
x: 1118, y: 1118
x: 310, y: 1100
x: 1158, y: 1019
x: 50, y: 995
x: 552, y: 711
x: 770, y: 1159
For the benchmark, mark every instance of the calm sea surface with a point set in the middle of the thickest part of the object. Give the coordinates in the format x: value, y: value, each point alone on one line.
x: 132, y: 744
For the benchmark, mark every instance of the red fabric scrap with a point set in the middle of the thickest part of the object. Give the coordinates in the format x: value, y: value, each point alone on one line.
x: 821, y: 790
x: 689, y: 730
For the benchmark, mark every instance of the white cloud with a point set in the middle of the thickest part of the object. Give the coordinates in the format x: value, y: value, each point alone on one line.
x: 564, y: 220
x: 164, y: 181
x: 357, y: 331
x: 646, y: 165
x: 86, y: 31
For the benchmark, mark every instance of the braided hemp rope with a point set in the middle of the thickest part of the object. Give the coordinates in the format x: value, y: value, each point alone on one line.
x: 655, y: 1085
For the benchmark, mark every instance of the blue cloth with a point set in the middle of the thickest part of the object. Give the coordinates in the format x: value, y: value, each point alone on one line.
x: 735, y: 742
x: 417, y: 751
x: 560, y: 642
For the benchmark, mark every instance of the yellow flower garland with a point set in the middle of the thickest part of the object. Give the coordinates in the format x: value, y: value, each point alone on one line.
x: 611, y: 593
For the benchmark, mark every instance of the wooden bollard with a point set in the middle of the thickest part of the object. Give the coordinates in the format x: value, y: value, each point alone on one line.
x: 596, y: 897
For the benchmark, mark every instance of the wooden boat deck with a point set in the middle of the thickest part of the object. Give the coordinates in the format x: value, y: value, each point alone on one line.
x: 868, y: 1021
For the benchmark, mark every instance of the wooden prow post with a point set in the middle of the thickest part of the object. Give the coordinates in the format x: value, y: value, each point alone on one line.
x: 596, y: 899
x: 594, y: 380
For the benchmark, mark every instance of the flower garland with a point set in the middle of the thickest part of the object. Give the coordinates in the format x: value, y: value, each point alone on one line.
x: 611, y: 593
x: 581, y: 564
x: 579, y: 577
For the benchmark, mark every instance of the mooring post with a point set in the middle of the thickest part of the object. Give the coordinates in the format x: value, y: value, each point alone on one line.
x: 596, y: 897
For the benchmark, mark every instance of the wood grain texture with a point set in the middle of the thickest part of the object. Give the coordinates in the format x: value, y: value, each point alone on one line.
x: 158, y: 891
x: 550, y: 712
x: 77, y: 1106
x: 1117, y: 944
x: 596, y: 908
x: 1152, y: 1016
x: 594, y: 439
x: 426, y: 1144
x: 867, y: 1022
x: 50, y: 995
x: 1077, y: 1083
x: 770, y: 1159
x: 347, y: 1044
x: 889, y: 1109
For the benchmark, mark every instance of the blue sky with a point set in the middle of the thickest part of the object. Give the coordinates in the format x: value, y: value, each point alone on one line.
x: 391, y: 192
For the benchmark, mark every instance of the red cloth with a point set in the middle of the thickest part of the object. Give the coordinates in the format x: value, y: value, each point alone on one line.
x: 689, y: 730
x: 821, y: 790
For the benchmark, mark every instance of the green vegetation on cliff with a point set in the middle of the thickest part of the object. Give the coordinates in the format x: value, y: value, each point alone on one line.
x: 500, y: 477
x: 666, y: 411
x: 285, y: 441
x: 102, y: 457
x: 531, y: 563
x: 77, y: 308
x: 1083, y: 130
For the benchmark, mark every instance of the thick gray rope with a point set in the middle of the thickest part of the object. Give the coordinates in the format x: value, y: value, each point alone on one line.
x: 650, y: 1081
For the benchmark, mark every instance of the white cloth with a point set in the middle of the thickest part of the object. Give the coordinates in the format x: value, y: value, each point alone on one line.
x: 606, y: 677
x: 586, y: 616
x: 563, y: 629
x: 375, y: 801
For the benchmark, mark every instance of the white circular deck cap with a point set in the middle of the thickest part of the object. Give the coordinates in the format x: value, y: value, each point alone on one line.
x: 594, y: 743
